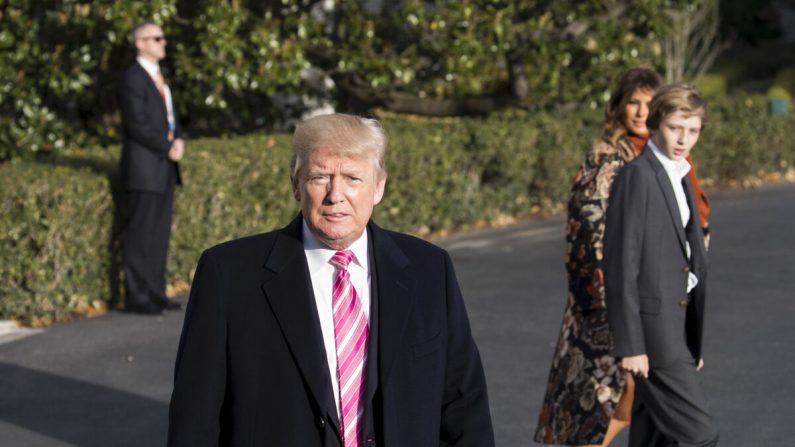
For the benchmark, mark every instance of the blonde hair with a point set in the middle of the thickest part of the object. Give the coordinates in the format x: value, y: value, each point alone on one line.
x: 679, y: 97
x: 346, y: 135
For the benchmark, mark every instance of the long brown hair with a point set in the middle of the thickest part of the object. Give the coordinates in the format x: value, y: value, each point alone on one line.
x: 615, y: 136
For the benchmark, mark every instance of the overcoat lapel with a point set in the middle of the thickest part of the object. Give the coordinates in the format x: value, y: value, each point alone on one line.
x: 395, y: 298
x: 288, y: 290
x: 289, y: 293
x: 670, y: 199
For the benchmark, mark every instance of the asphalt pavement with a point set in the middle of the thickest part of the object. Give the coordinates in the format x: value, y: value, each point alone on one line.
x: 106, y: 381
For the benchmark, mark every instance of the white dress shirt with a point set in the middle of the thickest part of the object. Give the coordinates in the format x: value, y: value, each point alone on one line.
x: 322, y: 273
x: 677, y: 170
x: 154, y: 70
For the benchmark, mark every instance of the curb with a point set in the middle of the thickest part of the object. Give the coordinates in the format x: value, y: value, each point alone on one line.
x: 10, y: 331
x: 8, y: 326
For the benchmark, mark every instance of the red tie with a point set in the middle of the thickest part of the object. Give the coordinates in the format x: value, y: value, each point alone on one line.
x: 350, y: 335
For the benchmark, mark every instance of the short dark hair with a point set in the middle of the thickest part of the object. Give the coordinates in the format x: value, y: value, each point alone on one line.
x: 137, y: 28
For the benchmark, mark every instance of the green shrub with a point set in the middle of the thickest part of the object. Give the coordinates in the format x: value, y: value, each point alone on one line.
x: 232, y: 188
x: 777, y: 92
x: 783, y: 86
x: 54, y: 241
x: 713, y: 85
x: 730, y: 74
x: 741, y: 141
x: 563, y: 139
x: 430, y: 182
x: 785, y: 79
x: 59, y: 236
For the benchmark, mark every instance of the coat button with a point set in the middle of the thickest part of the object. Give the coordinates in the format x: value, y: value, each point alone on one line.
x: 321, y: 423
x: 685, y: 269
x: 370, y: 441
x: 683, y: 303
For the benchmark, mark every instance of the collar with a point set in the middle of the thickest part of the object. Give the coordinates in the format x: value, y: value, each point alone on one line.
x: 150, y: 67
x: 674, y: 168
x: 318, y: 254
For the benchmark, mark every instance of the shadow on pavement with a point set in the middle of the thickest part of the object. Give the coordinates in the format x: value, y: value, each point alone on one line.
x: 76, y: 412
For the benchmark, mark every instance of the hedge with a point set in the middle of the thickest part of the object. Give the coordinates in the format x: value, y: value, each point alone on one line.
x: 61, y: 226
x: 54, y: 241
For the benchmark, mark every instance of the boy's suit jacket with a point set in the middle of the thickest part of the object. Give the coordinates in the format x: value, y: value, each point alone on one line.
x: 646, y: 266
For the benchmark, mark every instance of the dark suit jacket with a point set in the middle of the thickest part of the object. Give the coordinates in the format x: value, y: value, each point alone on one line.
x: 251, y: 368
x: 646, y: 266
x: 145, y: 165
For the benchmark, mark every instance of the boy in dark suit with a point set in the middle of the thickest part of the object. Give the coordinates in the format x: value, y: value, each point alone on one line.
x: 655, y: 267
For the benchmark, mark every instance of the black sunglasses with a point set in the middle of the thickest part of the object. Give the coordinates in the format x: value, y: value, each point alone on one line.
x: 157, y: 39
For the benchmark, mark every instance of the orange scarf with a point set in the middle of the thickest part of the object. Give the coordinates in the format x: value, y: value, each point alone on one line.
x: 638, y: 142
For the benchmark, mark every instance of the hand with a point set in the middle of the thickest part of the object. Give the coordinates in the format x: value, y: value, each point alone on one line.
x: 177, y: 150
x: 637, y: 365
x: 700, y: 364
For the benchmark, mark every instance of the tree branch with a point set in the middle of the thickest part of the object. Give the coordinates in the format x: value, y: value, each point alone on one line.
x: 403, y: 102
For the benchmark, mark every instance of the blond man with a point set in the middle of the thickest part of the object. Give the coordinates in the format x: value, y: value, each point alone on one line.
x: 330, y: 331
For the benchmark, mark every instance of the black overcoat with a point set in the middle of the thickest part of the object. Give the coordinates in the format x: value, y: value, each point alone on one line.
x: 251, y: 367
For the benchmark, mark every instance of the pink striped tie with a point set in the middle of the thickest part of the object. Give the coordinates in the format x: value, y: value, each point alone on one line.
x: 350, y: 334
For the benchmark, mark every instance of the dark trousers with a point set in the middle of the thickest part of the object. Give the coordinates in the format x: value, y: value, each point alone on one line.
x: 671, y: 408
x: 146, y: 245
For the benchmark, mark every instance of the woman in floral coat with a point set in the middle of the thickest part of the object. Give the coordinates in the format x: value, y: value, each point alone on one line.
x: 588, y: 398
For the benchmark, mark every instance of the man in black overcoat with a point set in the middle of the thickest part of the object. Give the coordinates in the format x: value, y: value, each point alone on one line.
x: 263, y: 358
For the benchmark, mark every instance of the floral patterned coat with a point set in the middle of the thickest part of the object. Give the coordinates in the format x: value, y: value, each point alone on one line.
x: 585, y: 382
